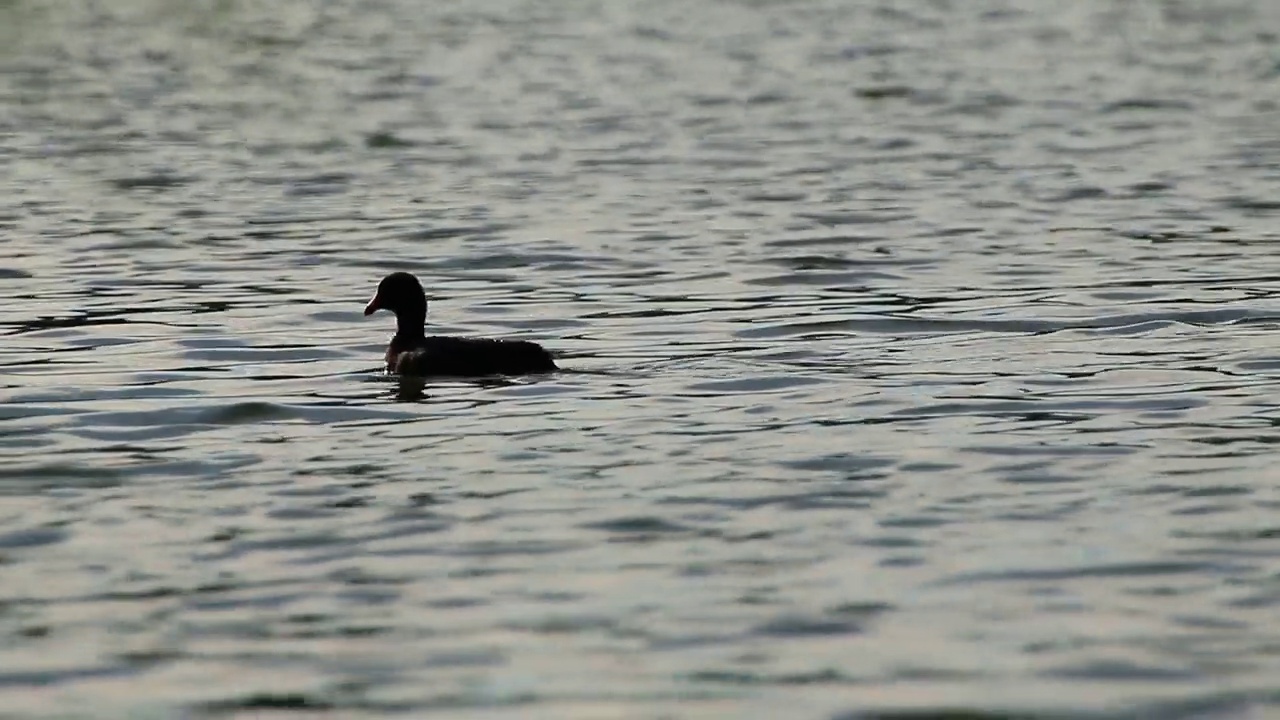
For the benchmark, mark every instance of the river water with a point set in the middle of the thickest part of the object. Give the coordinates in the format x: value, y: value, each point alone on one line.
x: 921, y: 359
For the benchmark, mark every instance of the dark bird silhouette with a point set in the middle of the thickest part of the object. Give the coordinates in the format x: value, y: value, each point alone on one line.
x: 412, y: 352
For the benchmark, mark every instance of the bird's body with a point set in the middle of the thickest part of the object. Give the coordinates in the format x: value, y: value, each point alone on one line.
x: 458, y: 356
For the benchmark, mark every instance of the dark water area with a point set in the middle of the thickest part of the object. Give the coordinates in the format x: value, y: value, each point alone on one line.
x: 922, y: 359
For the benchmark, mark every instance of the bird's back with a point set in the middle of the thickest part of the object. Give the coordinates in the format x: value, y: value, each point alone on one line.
x: 444, y: 355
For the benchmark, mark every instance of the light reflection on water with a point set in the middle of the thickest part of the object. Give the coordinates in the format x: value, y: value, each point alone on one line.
x: 917, y: 357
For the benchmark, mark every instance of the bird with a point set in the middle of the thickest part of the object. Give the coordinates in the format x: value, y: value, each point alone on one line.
x: 411, y: 352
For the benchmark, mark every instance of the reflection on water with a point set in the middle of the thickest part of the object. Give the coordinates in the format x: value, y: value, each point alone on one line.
x: 916, y: 357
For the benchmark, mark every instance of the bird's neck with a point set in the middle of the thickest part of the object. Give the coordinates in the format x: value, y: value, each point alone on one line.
x: 410, y: 326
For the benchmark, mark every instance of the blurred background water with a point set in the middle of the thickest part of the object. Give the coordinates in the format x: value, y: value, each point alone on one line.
x: 923, y: 359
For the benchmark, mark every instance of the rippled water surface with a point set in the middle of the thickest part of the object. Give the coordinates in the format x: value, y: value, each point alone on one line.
x: 921, y: 357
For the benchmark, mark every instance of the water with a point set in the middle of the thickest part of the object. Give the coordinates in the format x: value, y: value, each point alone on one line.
x: 922, y: 356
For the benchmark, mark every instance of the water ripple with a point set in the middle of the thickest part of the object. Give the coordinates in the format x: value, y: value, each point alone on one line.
x: 922, y: 377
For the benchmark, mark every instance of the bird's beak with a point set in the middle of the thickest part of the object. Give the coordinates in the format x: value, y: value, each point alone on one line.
x: 374, y: 306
